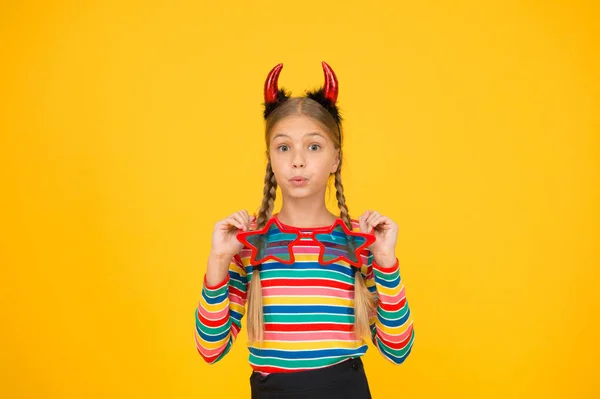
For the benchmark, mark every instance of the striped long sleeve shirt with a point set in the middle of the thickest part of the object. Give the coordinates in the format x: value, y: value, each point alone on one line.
x: 308, y: 312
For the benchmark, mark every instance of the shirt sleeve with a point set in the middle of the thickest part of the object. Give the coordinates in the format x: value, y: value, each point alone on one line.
x: 220, y: 311
x: 391, y: 324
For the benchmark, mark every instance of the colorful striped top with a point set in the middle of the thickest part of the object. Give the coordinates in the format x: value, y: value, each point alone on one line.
x: 308, y: 312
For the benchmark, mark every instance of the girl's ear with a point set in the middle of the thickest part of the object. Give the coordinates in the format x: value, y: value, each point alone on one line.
x: 336, y: 162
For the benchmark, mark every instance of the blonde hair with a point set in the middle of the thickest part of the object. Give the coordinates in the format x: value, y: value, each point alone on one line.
x: 364, y: 301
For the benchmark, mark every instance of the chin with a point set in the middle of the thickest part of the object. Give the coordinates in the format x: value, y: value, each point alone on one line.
x: 298, y: 193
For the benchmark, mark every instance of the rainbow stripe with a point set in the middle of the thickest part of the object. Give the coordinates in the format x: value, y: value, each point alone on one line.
x: 308, y: 310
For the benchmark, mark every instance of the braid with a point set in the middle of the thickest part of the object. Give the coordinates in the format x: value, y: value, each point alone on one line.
x: 255, y: 304
x: 364, y: 301
x: 341, y: 198
x: 269, y: 194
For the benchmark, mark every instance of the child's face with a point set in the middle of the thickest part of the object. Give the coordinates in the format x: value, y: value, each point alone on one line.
x: 300, y: 147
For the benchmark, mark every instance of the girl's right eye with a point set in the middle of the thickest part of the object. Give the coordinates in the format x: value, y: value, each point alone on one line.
x: 281, y: 147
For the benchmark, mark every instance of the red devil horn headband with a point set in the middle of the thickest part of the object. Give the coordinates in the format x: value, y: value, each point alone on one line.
x: 271, y: 84
x: 326, y: 95
x: 331, y: 83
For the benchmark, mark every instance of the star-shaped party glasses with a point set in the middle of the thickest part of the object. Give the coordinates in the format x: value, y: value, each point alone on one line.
x: 275, y: 241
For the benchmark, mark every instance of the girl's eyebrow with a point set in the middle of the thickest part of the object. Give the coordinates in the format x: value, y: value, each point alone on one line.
x: 306, y: 134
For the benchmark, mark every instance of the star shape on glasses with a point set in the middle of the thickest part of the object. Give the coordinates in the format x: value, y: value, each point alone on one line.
x: 337, y: 242
x: 273, y: 241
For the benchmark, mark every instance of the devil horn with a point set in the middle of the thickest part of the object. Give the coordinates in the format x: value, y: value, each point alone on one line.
x: 331, y: 83
x: 271, y: 84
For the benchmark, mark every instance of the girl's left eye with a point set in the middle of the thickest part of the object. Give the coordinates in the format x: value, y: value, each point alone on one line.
x: 315, y: 145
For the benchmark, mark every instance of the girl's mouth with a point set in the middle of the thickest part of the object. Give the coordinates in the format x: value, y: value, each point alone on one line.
x: 298, y: 181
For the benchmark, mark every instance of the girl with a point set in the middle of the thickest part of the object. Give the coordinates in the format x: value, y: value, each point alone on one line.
x: 308, y: 323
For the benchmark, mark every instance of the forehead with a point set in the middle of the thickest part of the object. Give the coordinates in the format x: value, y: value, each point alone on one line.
x: 297, y: 127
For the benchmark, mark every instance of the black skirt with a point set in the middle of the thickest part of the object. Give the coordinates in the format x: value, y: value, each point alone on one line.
x: 345, y: 380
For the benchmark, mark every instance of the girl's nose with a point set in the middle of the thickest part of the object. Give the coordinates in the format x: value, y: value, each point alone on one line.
x: 298, y: 162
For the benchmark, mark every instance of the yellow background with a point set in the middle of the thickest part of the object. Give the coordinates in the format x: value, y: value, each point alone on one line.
x: 129, y: 128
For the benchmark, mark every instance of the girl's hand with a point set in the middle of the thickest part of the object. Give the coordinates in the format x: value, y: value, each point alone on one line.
x: 386, y: 234
x: 224, y: 241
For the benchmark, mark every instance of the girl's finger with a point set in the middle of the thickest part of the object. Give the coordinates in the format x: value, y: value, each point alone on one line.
x: 232, y: 221
x: 385, y: 224
x: 375, y: 222
x: 370, y: 219
x: 379, y: 224
x: 372, y: 216
x: 240, y: 218
x: 229, y: 223
x: 365, y: 217
x: 236, y: 216
x: 363, y: 222
x: 246, y: 219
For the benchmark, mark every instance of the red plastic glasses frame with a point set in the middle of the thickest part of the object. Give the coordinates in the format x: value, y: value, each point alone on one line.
x: 306, y: 238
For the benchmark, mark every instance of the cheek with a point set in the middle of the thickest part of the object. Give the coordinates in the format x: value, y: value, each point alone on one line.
x: 274, y: 161
x: 327, y: 165
x: 324, y: 172
x: 275, y: 166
